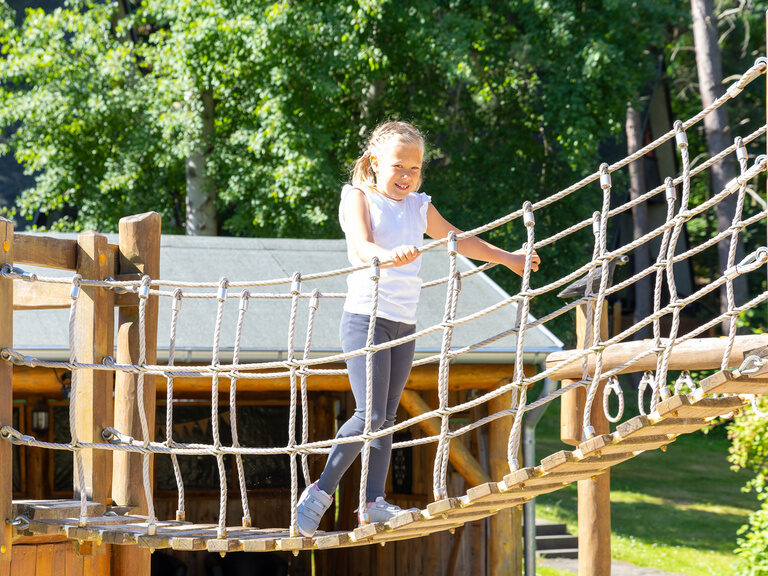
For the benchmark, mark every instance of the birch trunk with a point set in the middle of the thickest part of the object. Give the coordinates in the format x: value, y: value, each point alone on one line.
x: 710, y: 73
x: 201, y: 196
x: 641, y: 256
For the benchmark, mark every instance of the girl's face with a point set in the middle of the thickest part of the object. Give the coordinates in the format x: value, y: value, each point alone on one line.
x: 397, y: 166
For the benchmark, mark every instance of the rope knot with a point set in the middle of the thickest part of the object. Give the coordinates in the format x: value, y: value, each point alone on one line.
x: 374, y: 268
x: 314, y: 302
x: 223, y: 285
x: 451, y: 244
x: 177, y: 295
x: 296, y: 284
x: 670, y: 189
x: 244, y: 296
x: 605, y: 176
x: 681, y: 138
x: 75, y: 291
x: 143, y: 290
x: 528, y: 218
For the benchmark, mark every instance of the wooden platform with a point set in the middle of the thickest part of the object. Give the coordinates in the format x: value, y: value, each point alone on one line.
x: 677, y: 415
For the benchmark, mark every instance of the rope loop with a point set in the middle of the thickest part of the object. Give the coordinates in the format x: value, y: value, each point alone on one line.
x: 6, y: 269
x: 613, y: 386
x: 596, y: 223
x: 244, y: 296
x: 314, y: 301
x: 761, y: 62
x: 605, y: 176
x: 144, y: 287
x: 75, y: 291
x: 751, y: 364
x: 296, y: 283
x: 670, y: 189
x: 528, y: 218
x: 681, y: 138
x: 108, y: 361
x: 223, y: 285
x: 684, y: 380
x: 21, y: 522
x: 176, y: 304
x: 451, y: 244
x: 647, y: 380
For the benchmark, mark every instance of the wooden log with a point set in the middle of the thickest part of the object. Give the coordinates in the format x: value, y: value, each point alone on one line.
x: 35, y: 457
x: 139, y: 252
x: 459, y: 455
x: 594, y: 493
x: 6, y: 391
x: 45, y: 251
x: 697, y: 353
x: 505, y: 553
x: 46, y: 382
x: 572, y: 402
x: 95, y: 340
x: 40, y: 295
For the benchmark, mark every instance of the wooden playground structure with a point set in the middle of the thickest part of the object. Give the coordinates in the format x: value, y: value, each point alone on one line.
x: 112, y: 525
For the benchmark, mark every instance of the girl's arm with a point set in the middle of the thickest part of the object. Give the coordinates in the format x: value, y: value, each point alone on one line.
x: 476, y: 248
x: 357, y: 220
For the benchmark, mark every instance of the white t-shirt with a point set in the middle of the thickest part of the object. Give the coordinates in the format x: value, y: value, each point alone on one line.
x: 394, y: 223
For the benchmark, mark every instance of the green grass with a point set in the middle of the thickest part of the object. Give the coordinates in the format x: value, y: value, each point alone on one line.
x: 677, y: 511
x: 544, y: 571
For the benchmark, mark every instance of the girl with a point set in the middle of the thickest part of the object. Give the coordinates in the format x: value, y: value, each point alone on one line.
x: 384, y: 215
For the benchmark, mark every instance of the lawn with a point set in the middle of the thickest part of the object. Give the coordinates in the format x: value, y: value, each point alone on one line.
x: 677, y: 511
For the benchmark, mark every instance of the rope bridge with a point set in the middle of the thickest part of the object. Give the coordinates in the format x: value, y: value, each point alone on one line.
x: 670, y: 412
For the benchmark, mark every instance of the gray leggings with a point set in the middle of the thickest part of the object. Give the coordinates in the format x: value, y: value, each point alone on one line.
x: 390, y: 373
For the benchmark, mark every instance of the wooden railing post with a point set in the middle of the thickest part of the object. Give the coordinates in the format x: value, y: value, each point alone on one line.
x: 594, y: 493
x: 95, y: 340
x: 139, y: 253
x: 505, y: 551
x: 6, y: 392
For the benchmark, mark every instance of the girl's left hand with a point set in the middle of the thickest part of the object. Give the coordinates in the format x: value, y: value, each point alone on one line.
x: 516, y: 262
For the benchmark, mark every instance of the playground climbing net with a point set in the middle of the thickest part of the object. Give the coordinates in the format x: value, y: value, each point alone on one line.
x: 667, y: 304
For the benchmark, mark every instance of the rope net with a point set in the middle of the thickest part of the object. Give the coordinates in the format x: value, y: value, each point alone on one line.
x: 668, y: 304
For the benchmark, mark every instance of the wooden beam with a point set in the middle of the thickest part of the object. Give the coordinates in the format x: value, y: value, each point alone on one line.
x: 697, y: 353
x: 6, y: 392
x: 31, y: 381
x: 46, y: 251
x: 95, y: 328
x: 505, y: 550
x: 139, y: 253
x: 40, y: 295
x: 460, y: 456
x: 594, y: 494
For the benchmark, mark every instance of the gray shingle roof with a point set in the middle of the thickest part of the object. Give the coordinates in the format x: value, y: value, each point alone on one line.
x: 265, y: 333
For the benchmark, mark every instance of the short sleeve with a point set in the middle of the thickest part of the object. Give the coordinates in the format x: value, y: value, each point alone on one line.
x: 425, y: 200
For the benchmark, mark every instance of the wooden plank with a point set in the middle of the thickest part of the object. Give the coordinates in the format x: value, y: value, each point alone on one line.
x: 7, y: 254
x: 727, y: 382
x: 95, y: 328
x: 46, y: 251
x: 684, y: 406
x: 40, y: 295
x: 44, y: 561
x: 139, y: 252
x: 54, y: 509
x: 696, y: 353
x: 459, y: 455
x: 24, y: 561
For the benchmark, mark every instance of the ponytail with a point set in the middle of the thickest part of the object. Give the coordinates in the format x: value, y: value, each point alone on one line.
x: 362, y: 171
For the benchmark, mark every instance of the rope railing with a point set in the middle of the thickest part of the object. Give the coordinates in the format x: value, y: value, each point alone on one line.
x: 297, y: 369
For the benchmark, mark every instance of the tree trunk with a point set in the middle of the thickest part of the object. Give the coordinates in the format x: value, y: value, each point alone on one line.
x: 642, y: 254
x: 710, y: 73
x: 201, y: 196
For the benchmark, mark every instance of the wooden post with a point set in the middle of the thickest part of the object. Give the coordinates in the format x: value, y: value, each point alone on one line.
x: 139, y: 253
x: 505, y: 554
x: 594, y: 493
x: 459, y: 455
x: 6, y: 392
x: 95, y: 340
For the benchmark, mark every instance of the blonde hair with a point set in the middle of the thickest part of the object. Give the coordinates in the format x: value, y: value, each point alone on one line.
x: 362, y: 171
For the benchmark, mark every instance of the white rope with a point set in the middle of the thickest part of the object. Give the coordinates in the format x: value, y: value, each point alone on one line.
x: 612, y: 385
x: 246, y: 521
x: 295, y: 291
x: 175, y: 310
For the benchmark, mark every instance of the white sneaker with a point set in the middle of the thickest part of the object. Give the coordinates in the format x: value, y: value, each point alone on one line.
x: 379, y: 511
x: 313, y: 503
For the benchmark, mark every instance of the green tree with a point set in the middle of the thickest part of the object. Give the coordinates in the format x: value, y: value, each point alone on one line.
x: 109, y: 110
